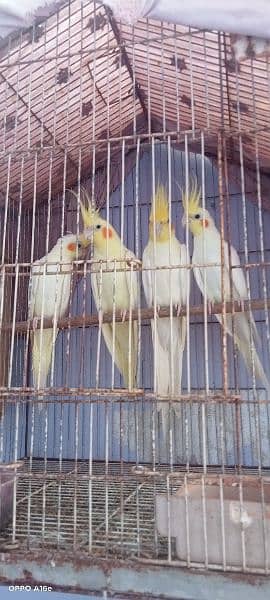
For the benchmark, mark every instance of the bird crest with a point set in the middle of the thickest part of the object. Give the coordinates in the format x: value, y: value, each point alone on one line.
x: 89, y: 213
x: 160, y: 206
x: 191, y: 200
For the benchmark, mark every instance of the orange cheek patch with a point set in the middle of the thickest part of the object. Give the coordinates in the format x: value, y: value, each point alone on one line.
x: 106, y: 232
x: 205, y: 222
x: 72, y: 247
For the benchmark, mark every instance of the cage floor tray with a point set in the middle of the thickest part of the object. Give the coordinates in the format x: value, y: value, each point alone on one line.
x: 217, y: 525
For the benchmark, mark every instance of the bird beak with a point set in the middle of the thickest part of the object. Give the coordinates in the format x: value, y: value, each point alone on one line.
x: 88, y: 234
x: 84, y: 241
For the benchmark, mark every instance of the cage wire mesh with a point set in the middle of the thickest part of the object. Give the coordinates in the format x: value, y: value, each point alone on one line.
x: 102, y: 459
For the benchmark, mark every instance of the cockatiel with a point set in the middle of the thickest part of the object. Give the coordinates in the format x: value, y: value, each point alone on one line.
x: 49, y: 294
x: 163, y: 287
x: 207, y: 249
x: 115, y: 289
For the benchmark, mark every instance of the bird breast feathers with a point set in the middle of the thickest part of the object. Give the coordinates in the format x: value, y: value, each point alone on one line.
x: 168, y: 282
x: 208, y: 250
x: 114, y: 286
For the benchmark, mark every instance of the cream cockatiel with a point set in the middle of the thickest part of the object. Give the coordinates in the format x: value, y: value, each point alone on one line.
x: 49, y: 294
x: 207, y: 249
x: 166, y: 287
x: 117, y: 289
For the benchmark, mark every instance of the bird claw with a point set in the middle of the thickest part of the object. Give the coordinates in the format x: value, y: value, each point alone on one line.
x: 137, y: 262
x: 100, y: 318
x: 123, y: 315
x: 133, y: 262
x: 35, y: 322
x: 178, y: 309
x: 157, y: 309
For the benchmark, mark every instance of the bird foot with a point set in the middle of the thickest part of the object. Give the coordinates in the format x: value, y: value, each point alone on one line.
x: 100, y: 318
x: 123, y: 315
x: 137, y: 262
x: 209, y: 306
x: 157, y: 309
x: 242, y: 305
x: 178, y: 309
x: 35, y: 323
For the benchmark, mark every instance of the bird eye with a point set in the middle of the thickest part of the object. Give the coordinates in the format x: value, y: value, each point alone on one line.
x: 98, y: 226
x: 79, y: 245
x: 197, y: 216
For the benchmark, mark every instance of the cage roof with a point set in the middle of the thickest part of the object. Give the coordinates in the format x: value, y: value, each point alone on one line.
x: 80, y: 78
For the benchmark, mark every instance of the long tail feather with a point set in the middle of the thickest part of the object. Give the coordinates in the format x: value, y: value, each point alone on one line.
x: 164, y: 383
x: 42, y: 344
x: 178, y: 363
x: 243, y: 341
x: 125, y: 350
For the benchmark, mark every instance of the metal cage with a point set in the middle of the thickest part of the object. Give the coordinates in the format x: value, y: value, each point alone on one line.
x: 94, y: 480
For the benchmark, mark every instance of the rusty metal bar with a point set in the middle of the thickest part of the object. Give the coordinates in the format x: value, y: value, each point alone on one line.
x: 143, y: 314
x: 121, y: 395
x: 147, y: 473
x: 126, y: 60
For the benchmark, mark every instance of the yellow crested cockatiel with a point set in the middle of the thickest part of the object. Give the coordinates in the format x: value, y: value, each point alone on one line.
x: 117, y: 289
x: 166, y: 287
x: 49, y: 294
x: 207, y: 249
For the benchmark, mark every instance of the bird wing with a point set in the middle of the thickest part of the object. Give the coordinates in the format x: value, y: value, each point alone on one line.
x: 239, y: 324
x: 213, y: 274
x: 238, y: 278
x: 48, y: 296
x: 147, y: 277
x: 168, y: 335
x: 184, y: 274
x: 117, y: 337
x: 41, y: 339
x: 132, y: 281
x: 34, y: 287
x: 106, y: 328
x: 240, y: 288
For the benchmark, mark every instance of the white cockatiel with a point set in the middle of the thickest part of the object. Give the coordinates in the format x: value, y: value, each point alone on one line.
x: 207, y: 249
x: 49, y: 294
x: 115, y: 288
x: 166, y: 287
